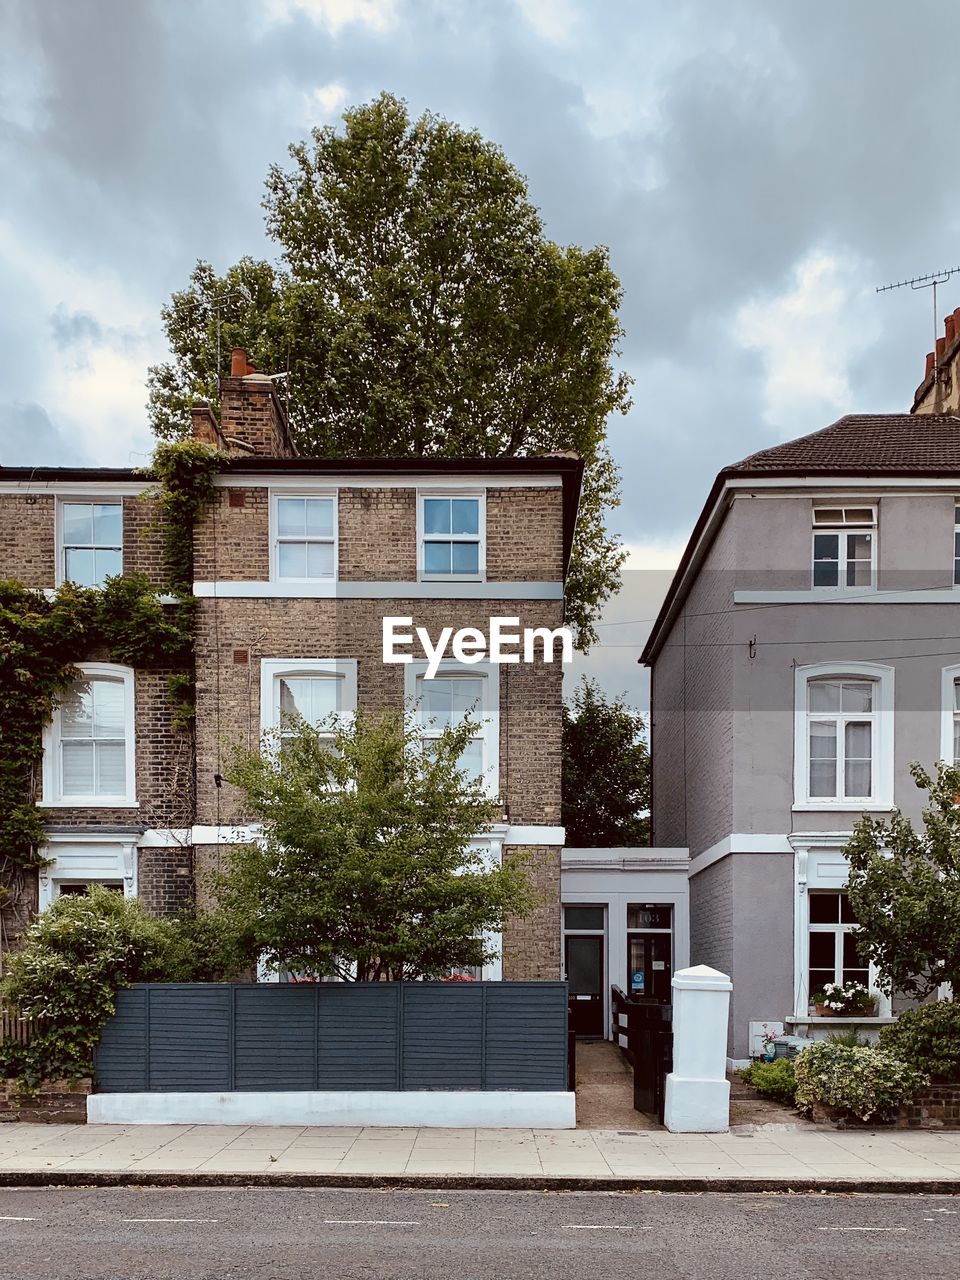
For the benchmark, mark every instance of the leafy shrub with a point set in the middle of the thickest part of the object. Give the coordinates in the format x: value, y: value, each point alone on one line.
x: 849, y: 1039
x: 76, y: 956
x: 773, y: 1079
x: 929, y: 1039
x: 864, y: 1082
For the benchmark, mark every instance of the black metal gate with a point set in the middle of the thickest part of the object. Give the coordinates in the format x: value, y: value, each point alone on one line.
x: 649, y: 1034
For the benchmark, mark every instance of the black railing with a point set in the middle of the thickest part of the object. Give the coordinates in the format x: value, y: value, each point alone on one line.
x: 647, y: 1029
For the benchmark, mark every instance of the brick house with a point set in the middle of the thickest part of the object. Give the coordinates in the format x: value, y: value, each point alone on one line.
x: 807, y: 651
x: 296, y: 563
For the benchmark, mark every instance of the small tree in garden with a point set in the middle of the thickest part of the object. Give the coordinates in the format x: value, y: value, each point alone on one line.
x: 606, y: 771
x: 365, y: 870
x: 904, y: 887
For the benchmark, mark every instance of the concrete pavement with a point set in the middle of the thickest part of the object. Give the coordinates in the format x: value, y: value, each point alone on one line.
x: 768, y: 1156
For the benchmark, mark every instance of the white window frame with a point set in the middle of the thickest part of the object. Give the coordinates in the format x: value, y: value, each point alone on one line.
x: 275, y: 539
x: 881, y: 746
x: 948, y: 712
x: 819, y: 864
x: 480, y: 494
x: 489, y: 713
x: 956, y: 534
x: 274, y: 669
x: 98, y: 500
x: 53, y: 797
x: 838, y: 930
x: 844, y: 530
x: 87, y: 858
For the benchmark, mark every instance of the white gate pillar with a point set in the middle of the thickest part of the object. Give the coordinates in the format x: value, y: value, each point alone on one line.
x: 697, y: 1096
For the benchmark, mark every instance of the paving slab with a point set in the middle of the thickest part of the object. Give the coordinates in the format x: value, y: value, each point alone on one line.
x: 198, y: 1154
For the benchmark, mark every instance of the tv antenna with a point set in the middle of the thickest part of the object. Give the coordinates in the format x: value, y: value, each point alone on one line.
x: 926, y: 282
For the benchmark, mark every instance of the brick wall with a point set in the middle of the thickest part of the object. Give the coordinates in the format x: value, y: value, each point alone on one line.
x: 143, y: 540
x: 57, y: 1102
x: 531, y: 946
x: 27, y: 540
x: 165, y: 879
x: 232, y: 537
x: 228, y: 692
x: 378, y: 535
x: 524, y: 535
x: 692, y: 711
x: 711, y: 916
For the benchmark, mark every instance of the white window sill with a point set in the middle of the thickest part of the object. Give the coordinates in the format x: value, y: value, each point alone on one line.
x: 90, y: 802
x: 842, y: 806
x: 452, y: 577
x: 878, y: 1020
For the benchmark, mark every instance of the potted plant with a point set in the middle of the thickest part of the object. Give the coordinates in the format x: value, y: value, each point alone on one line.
x: 844, y: 1000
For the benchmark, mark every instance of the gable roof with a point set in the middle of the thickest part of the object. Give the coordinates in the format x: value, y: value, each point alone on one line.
x: 858, y: 444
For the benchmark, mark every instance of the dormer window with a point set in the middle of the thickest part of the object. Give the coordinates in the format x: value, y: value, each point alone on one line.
x: 844, y: 548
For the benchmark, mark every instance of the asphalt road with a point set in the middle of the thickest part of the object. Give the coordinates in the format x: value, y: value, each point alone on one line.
x: 292, y: 1234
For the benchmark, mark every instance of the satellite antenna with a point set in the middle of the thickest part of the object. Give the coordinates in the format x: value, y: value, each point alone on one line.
x: 926, y: 282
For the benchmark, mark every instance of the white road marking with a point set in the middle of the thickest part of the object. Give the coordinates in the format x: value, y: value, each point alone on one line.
x: 367, y: 1222
x: 601, y: 1226
x: 861, y: 1228
x: 17, y: 1219
x: 168, y: 1219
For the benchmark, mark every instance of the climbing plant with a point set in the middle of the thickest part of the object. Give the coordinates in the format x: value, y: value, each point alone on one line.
x: 129, y: 620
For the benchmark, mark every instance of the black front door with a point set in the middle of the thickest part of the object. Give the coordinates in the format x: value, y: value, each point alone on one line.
x: 583, y: 960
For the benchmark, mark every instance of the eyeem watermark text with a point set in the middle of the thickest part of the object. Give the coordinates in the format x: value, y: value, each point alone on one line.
x: 506, y: 643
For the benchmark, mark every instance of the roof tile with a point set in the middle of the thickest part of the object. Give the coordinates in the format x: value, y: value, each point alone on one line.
x: 866, y: 442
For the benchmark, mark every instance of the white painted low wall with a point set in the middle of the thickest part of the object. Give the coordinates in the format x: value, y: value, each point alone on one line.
x: 436, y: 1110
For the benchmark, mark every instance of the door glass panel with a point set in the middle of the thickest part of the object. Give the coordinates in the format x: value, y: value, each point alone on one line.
x: 825, y: 908
x: 583, y: 918
x: 584, y: 965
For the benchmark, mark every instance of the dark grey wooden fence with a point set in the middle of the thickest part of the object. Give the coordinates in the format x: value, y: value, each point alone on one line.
x: 215, y: 1037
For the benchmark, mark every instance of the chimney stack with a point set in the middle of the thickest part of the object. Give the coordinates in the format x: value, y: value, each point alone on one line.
x: 252, y: 419
x: 939, y: 392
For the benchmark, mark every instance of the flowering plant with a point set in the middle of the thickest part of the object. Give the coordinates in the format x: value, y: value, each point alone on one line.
x: 845, y: 997
x: 770, y: 1038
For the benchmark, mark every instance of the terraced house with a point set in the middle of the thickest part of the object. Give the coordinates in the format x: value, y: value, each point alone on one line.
x: 807, y: 651
x: 297, y: 561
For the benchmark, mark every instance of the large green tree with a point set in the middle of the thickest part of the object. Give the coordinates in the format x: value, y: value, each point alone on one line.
x: 365, y: 870
x: 418, y: 308
x: 904, y: 888
x: 606, y: 771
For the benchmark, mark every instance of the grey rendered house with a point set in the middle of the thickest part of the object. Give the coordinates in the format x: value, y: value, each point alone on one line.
x: 807, y: 651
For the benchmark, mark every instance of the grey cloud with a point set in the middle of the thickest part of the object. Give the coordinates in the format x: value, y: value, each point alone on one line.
x: 73, y: 327
x: 28, y: 437
x: 771, y: 131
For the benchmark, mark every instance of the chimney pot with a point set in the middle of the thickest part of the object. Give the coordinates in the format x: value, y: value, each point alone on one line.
x: 941, y: 347
x: 929, y: 369
x: 950, y: 329
x: 240, y: 366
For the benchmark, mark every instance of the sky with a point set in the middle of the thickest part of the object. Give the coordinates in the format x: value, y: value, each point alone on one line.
x: 756, y: 168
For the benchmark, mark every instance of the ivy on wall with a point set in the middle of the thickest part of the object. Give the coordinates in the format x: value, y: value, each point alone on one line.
x: 128, y: 621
